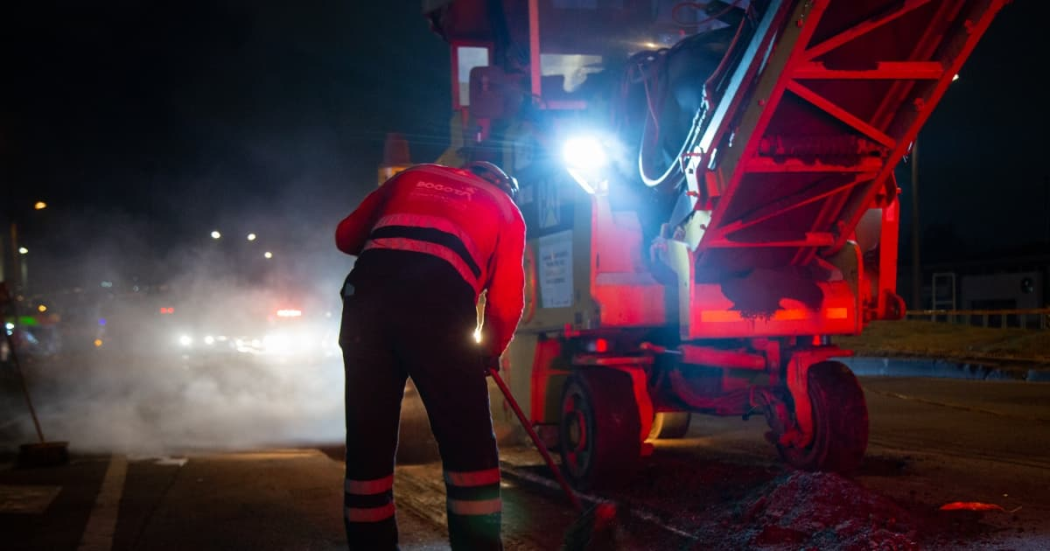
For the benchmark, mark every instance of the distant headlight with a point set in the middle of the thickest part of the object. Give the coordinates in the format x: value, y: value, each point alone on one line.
x: 209, y: 340
x: 277, y: 343
x: 185, y: 341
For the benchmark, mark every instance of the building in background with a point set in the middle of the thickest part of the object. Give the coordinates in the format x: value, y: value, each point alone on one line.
x: 1011, y: 282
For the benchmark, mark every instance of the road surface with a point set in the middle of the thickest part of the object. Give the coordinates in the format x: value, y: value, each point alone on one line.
x: 188, y: 456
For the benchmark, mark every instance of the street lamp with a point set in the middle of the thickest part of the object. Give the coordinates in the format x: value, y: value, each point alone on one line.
x: 15, y: 249
x: 215, y: 234
x: 251, y: 237
x: 916, y: 266
x: 267, y: 255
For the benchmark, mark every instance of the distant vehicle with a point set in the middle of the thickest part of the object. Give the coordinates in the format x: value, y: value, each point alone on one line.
x: 293, y: 334
x: 273, y: 329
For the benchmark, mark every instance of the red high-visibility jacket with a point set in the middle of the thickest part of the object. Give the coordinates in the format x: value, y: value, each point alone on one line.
x: 458, y: 217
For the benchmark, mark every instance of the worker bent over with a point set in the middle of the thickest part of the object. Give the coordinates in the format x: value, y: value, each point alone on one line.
x: 429, y: 241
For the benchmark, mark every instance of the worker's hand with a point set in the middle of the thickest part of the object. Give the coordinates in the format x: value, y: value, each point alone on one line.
x: 489, y: 363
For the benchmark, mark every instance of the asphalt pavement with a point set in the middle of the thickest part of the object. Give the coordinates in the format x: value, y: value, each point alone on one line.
x: 286, y: 499
x: 1006, y: 370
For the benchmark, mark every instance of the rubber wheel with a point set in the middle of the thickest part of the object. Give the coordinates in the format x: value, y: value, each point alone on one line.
x: 598, y: 429
x: 840, y: 422
x: 670, y: 425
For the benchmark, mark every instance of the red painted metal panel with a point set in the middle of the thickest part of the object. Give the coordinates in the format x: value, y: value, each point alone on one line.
x: 865, y: 72
x: 715, y: 316
x: 823, y: 118
x: 733, y: 359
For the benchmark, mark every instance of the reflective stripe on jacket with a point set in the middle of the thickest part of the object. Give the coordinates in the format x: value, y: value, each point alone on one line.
x: 456, y: 216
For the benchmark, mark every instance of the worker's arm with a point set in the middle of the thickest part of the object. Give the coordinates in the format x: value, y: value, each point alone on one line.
x: 505, y: 298
x: 353, y: 231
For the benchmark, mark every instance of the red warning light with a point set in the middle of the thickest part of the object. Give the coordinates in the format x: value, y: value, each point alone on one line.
x: 601, y: 346
x: 167, y: 310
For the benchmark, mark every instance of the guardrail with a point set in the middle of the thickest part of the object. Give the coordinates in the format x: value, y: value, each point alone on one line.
x: 1033, y: 318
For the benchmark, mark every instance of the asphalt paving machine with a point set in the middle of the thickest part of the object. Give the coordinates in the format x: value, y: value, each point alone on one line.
x: 710, y: 198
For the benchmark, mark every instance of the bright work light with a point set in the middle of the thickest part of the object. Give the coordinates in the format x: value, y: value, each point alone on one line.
x: 584, y: 153
x: 586, y: 160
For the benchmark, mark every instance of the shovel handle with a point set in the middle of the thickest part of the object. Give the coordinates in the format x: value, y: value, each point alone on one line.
x: 569, y: 492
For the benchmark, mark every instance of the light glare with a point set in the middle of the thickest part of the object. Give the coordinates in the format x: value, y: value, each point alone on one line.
x: 584, y: 153
x: 277, y: 343
x: 251, y: 237
x: 23, y: 250
x: 586, y: 160
x: 267, y: 255
x: 215, y: 234
x: 40, y: 205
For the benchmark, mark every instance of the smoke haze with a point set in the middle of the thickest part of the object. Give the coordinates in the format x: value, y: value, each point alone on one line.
x: 145, y: 128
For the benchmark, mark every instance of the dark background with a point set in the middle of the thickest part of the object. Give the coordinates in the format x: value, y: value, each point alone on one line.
x: 147, y: 125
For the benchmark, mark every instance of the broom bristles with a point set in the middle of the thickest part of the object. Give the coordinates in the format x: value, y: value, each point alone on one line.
x: 593, y: 530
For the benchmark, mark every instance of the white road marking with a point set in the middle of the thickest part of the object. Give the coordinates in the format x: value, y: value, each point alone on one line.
x: 162, y: 460
x: 167, y: 461
x: 102, y: 524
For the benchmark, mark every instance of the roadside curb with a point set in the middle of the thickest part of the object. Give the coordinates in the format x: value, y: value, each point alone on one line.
x: 943, y: 369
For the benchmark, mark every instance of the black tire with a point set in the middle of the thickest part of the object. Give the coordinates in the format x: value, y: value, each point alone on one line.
x: 599, y: 429
x: 670, y: 425
x: 840, y: 422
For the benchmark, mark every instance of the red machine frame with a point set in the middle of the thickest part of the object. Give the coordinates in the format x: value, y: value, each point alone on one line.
x: 786, y: 179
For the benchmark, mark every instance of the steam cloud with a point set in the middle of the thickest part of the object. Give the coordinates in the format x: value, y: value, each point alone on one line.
x: 151, y: 407
x: 140, y: 393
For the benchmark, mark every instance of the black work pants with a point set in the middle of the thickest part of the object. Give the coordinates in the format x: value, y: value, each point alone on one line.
x: 409, y: 314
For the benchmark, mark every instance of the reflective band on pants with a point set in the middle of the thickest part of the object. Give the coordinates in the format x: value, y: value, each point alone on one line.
x: 484, y: 507
x: 372, y: 514
x: 472, y: 478
x: 369, y: 487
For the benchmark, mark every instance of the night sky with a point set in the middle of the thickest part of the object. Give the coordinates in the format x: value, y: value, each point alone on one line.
x: 147, y: 125
x: 983, y: 174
